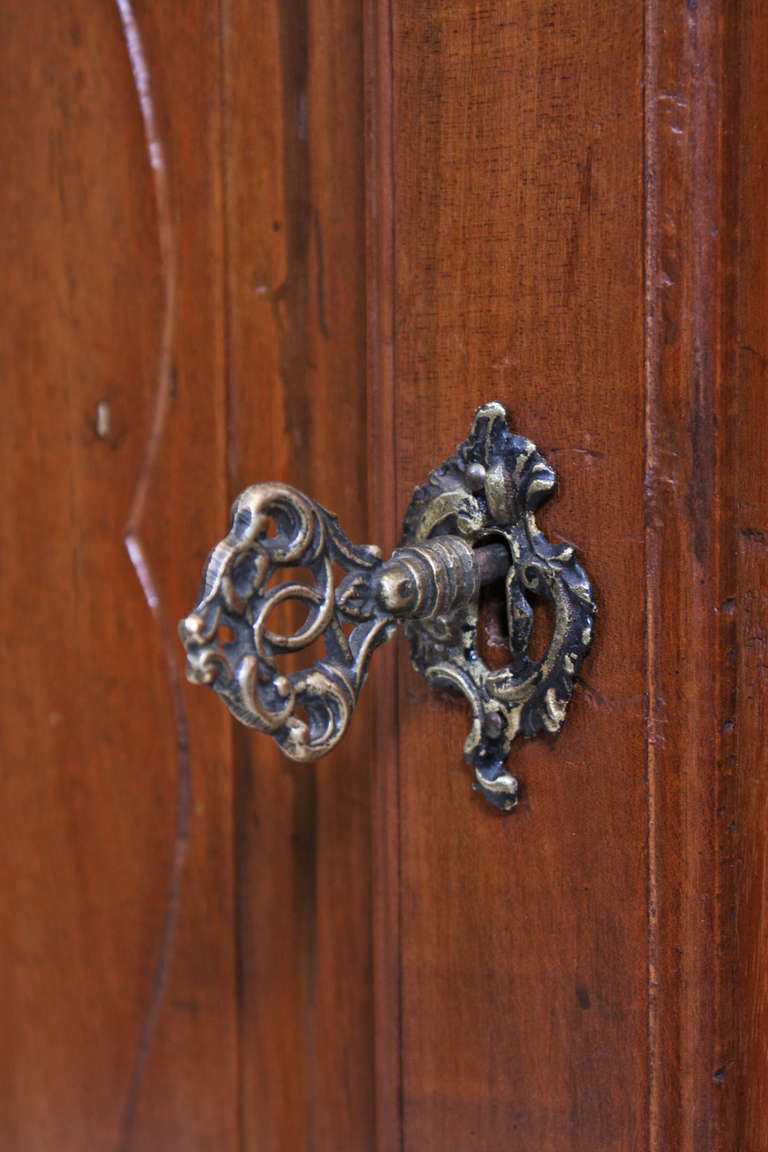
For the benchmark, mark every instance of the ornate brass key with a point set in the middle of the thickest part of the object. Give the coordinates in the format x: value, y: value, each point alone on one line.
x: 471, y: 523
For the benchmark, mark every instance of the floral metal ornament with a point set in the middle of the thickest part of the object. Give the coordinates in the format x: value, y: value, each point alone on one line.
x: 471, y: 523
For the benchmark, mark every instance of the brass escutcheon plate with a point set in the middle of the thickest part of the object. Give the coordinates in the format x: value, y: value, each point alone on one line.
x: 489, y: 491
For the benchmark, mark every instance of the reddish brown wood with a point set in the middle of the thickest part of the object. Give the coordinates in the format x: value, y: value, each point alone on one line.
x: 269, y: 171
x: 110, y: 1025
x: 559, y: 206
x: 742, y: 1067
x: 571, y: 251
x: 385, y: 514
x: 682, y: 533
x: 517, y: 219
x: 296, y: 247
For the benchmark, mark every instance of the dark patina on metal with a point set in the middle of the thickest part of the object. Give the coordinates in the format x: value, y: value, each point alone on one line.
x: 471, y: 523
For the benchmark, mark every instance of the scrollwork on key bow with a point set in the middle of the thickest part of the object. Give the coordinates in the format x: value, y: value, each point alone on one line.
x: 231, y: 647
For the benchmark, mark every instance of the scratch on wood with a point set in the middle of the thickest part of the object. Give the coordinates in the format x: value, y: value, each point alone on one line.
x: 103, y: 420
x: 320, y: 274
x: 651, y: 263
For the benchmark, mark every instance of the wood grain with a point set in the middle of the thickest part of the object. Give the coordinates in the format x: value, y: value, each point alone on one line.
x: 683, y: 563
x: 90, y: 748
x: 296, y: 292
x: 385, y: 514
x: 741, y: 1072
x: 592, y: 259
x: 518, y: 223
x: 237, y: 1005
x: 302, y: 242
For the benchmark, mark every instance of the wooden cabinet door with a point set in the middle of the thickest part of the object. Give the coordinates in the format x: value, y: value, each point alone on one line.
x: 303, y: 241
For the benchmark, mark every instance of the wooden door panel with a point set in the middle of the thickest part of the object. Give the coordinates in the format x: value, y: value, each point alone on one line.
x: 118, y: 976
x: 302, y: 241
x: 614, y: 324
x: 216, y: 312
x: 517, y: 216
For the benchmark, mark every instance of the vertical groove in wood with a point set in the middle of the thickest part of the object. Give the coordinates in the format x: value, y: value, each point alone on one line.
x: 730, y: 1087
x: 383, y: 514
x: 742, y: 1067
x: 651, y: 550
x: 682, y: 561
x: 239, y: 781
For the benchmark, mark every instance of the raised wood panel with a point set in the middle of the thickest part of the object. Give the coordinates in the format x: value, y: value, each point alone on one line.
x: 119, y: 993
x: 571, y: 206
x: 517, y: 162
x: 189, y: 959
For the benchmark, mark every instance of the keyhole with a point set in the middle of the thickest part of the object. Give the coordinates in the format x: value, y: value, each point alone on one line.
x: 493, y: 631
